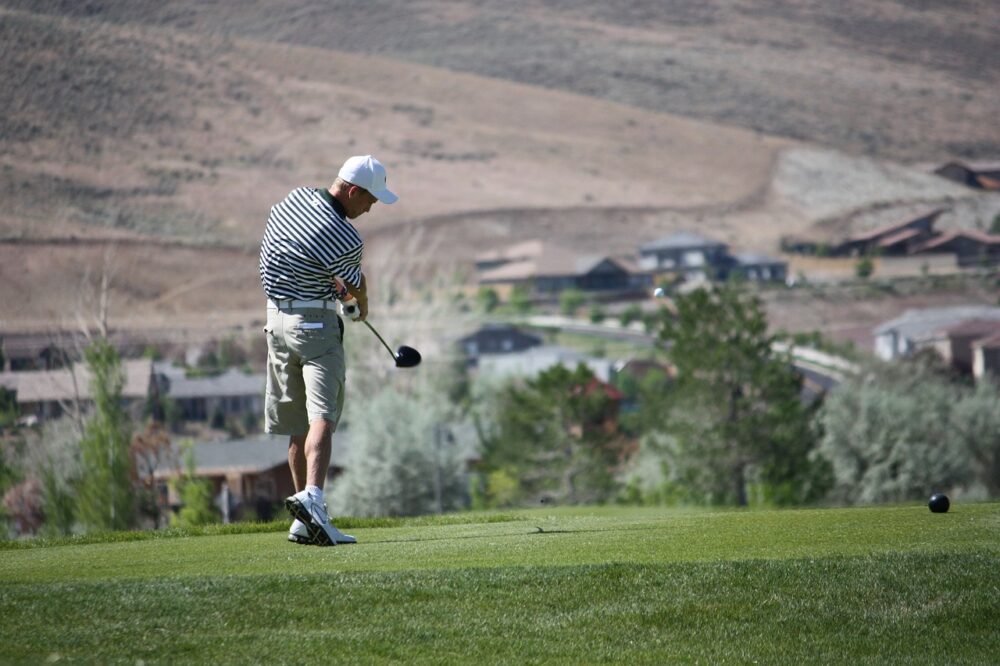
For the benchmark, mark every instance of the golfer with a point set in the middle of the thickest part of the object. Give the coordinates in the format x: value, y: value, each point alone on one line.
x: 310, y: 248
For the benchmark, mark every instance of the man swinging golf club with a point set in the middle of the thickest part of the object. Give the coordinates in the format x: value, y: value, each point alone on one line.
x: 309, y: 242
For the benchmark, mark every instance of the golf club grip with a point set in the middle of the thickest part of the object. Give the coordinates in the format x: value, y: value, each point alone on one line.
x: 372, y: 329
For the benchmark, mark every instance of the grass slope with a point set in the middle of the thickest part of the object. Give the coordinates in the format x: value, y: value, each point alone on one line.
x: 891, y: 585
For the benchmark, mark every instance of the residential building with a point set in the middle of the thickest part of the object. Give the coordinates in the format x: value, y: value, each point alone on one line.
x: 45, y: 394
x: 894, y: 239
x: 956, y: 342
x: 696, y: 258
x: 497, y: 339
x: 970, y: 247
x: 986, y: 358
x: 201, y: 398
x: 548, y: 269
x: 915, y: 329
x: 979, y: 176
x: 254, y: 470
x: 686, y: 253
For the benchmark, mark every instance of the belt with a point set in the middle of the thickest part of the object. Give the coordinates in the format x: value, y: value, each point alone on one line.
x: 293, y: 304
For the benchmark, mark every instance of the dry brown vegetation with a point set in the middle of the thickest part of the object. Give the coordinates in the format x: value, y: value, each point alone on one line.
x: 171, y: 128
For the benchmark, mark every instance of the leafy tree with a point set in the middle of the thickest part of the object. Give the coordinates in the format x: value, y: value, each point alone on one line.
x: 106, y: 499
x: 556, y: 435
x: 8, y: 408
x: 405, y: 465
x: 571, y: 300
x: 195, y: 494
x: 520, y: 299
x: 487, y: 299
x: 596, y: 314
x: 864, y: 268
x: 630, y: 314
x: 976, y: 419
x: 735, y: 420
x: 902, y: 432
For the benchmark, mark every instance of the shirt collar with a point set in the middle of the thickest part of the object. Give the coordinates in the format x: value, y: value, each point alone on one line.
x: 325, y: 193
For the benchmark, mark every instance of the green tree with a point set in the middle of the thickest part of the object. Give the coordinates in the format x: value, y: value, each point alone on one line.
x: 864, y: 268
x: 520, y: 299
x: 555, y: 435
x: 596, y: 314
x: 195, y: 494
x: 899, y: 433
x: 630, y: 314
x: 976, y: 419
x: 995, y: 225
x: 106, y: 499
x: 571, y: 300
x: 8, y: 408
x: 735, y: 421
x: 487, y: 299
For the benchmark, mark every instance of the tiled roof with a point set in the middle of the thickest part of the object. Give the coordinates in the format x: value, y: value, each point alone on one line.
x: 919, y: 322
x: 55, y: 385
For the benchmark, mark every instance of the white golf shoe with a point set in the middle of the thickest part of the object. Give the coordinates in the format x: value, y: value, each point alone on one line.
x: 299, y: 533
x: 313, y: 514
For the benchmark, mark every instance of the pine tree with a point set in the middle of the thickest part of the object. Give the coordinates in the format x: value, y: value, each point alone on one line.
x: 735, y: 418
x: 106, y: 499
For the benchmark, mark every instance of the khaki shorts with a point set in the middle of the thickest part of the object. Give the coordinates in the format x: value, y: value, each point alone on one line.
x: 305, y: 369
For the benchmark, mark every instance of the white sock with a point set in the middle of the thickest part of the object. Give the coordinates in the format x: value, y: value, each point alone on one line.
x: 315, y: 493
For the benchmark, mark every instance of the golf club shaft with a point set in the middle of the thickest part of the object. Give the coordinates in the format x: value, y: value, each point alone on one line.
x: 372, y: 329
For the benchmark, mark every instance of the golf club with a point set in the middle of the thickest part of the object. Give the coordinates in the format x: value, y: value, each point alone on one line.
x: 405, y: 357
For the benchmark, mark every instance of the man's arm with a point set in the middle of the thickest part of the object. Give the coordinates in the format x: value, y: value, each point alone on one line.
x: 360, y: 294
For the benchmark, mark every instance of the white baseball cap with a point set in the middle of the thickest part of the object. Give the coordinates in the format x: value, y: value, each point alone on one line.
x: 368, y: 173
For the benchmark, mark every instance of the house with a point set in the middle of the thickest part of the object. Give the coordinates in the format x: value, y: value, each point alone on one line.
x: 535, y: 360
x: 254, y: 470
x: 201, y: 398
x: 758, y: 267
x: 986, y: 358
x: 970, y: 247
x: 684, y: 252
x: 979, y: 176
x: 955, y: 344
x: 549, y: 269
x: 916, y: 329
x: 497, y: 339
x: 47, y: 393
x: 895, y: 239
x: 696, y: 257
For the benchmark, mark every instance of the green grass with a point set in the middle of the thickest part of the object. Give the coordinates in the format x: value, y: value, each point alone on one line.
x: 877, y: 585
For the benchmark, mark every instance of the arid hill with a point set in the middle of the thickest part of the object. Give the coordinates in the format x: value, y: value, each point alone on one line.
x: 172, y: 127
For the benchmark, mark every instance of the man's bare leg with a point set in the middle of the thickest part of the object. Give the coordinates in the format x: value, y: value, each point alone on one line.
x: 297, y: 461
x: 318, y: 446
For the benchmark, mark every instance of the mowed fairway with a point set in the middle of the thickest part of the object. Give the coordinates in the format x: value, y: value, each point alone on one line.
x: 885, y: 585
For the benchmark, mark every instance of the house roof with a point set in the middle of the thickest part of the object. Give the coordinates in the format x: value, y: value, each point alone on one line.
x: 55, y: 385
x: 551, y: 261
x: 233, y: 382
x: 914, y: 323
x: 991, y: 342
x: 679, y: 241
x: 899, y: 237
x: 892, y: 228
x: 251, y: 455
x: 971, y: 234
x: 509, y: 329
x: 976, y: 328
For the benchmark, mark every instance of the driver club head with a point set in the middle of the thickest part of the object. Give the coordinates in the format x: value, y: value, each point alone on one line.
x: 407, y: 357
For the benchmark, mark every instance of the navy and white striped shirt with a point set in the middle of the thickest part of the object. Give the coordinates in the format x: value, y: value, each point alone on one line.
x: 308, y: 241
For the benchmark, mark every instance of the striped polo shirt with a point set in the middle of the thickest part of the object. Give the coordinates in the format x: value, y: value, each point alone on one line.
x: 308, y: 240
